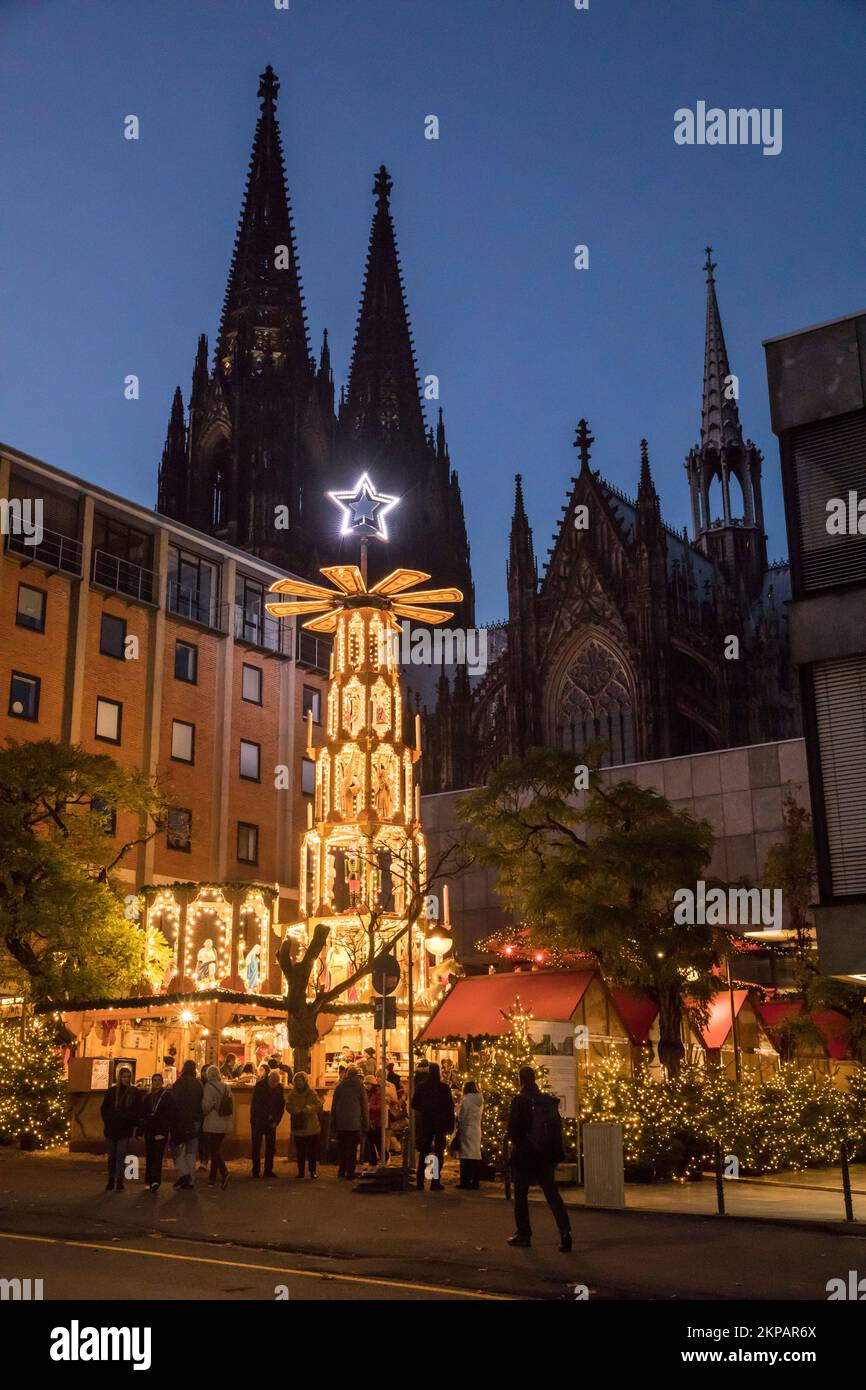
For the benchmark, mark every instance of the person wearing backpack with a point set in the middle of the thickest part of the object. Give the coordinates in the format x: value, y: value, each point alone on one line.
x: 216, y: 1107
x: 535, y: 1132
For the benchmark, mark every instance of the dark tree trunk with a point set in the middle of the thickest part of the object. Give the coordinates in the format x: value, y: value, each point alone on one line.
x: 671, y: 1050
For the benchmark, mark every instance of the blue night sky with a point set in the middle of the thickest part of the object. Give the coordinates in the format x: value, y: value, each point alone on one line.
x: 556, y: 129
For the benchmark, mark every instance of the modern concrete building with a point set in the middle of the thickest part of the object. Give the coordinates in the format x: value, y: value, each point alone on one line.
x: 740, y: 791
x: 817, y: 383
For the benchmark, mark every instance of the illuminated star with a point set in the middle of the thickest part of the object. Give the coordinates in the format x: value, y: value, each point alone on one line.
x: 364, y: 510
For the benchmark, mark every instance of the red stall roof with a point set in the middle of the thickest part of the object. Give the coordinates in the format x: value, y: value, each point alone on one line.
x: 636, y: 1011
x: 834, y: 1027
x: 775, y: 1011
x: 477, y: 1004
x: 719, y: 1022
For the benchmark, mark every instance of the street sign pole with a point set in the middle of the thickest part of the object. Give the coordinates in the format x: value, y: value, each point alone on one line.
x: 384, y: 1117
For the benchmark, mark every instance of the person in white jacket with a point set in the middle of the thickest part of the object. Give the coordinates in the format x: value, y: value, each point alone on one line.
x: 469, y: 1130
x: 214, y: 1124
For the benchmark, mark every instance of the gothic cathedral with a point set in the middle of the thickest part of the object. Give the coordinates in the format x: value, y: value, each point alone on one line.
x: 652, y: 642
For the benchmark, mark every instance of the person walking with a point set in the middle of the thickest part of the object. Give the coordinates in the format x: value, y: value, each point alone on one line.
x: 434, y: 1107
x: 266, y: 1110
x: 217, y: 1109
x: 186, y: 1124
x: 303, y: 1105
x: 350, y: 1119
x: 120, y: 1110
x: 157, y: 1114
x: 469, y: 1136
x: 535, y: 1132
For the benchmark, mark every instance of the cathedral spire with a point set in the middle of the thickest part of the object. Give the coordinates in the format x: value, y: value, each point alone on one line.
x: 264, y: 285
x: 646, y: 484
x: 172, y: 467
x: 720, y: 419
x: 583, y: 442
x: 521, y: 559
x: 383, y: 405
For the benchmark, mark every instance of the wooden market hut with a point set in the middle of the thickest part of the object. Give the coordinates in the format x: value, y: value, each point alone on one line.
x: 826, y: 1049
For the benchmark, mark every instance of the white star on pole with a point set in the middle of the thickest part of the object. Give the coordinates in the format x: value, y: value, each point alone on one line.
x: 364, y: 510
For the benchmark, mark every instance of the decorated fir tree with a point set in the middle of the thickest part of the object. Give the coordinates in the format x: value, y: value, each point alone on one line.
x: 495, y: 1068
x: 32, y: 1087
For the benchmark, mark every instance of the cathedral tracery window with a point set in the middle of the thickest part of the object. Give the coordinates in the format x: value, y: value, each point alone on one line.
x: 594, y: 704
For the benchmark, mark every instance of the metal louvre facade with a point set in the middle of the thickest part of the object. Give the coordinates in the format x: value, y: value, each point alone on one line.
x: 829, y: 462
x: 840, y: 709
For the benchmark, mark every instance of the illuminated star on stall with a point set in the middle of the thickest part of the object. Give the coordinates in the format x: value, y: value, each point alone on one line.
x: 364, y: 510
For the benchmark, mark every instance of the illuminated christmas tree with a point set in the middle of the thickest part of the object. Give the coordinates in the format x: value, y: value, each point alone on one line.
x: 363, y: 871
x: 496, y: 1070
x: 33, y: 1094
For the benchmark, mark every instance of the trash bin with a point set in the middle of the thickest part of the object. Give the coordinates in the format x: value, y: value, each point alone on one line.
x: 603, y: 1172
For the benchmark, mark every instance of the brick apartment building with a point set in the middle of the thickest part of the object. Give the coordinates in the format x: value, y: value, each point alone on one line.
x: 136, y: 636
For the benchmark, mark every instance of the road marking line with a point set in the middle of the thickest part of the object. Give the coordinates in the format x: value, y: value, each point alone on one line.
x: 272, y: 1269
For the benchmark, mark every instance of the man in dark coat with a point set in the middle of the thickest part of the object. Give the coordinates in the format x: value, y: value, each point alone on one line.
x: 266, y: 1110
x: 120, y: 1111
x: 535, y: 1132
x: 158, y: 1115
x: 187, y: 1094
x: 433, y: 1104
x: 350, y: 1119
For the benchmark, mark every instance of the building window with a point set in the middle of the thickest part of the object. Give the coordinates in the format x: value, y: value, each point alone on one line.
x: 182, y: 741
x: 100, y: 807
x: 251, y: 757
x: 31, y: 608
x: 313, y: 703
x: 193, y: 587
x: 248, y: 843
x: 251, y: 684
x: 112, y: 636
x: 308, y: 777
x: 24, y: 696
x: 186, y: 662
x: 249, y: 609
x: 179, y: 829
x: 109, y: 720
x: 122, y: 558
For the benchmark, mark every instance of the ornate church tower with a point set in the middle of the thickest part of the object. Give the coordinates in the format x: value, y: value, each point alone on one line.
x: 381, y: 421
x: 258, y: 432
x: 523, y: 705
x: 736, y: 540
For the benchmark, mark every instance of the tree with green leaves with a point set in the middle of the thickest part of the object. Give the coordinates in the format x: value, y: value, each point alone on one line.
x: 63, y: 918
x: 600, y: 878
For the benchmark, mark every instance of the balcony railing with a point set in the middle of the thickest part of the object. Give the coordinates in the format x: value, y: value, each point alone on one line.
x: 55, y: 551
x: 189, y: 603
x: 314, y: 652
x: 111, y: 572
x: 261, y: 630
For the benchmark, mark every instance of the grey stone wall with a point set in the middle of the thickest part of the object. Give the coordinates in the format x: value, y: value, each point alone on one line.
x: 740, y: 791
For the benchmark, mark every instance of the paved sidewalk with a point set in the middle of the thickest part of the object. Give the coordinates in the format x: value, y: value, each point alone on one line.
x: 451, y: 1238
x: 814, y: 1195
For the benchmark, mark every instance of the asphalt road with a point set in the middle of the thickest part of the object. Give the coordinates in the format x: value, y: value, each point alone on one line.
x: 158, y: 1269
